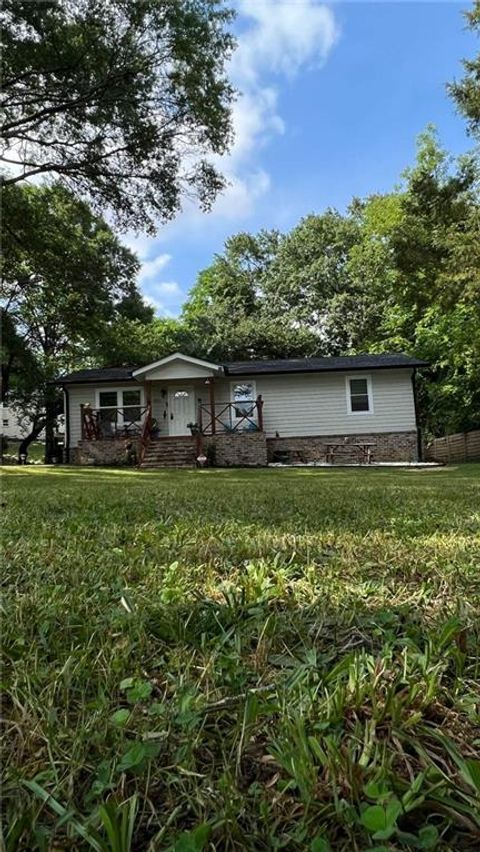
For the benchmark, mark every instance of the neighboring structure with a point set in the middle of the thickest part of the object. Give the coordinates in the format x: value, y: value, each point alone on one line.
x: 14, y: 425
x: 351, y: 408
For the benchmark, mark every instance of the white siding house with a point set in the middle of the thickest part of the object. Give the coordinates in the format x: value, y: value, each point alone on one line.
x: 14, y: 425
x: 299, y: 408
x: 319, y: 403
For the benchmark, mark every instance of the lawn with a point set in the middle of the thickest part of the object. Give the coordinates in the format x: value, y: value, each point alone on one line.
x: 36, y: 450
x: 241, y: 660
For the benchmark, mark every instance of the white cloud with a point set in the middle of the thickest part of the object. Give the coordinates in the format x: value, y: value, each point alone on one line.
x: 151, y: 268
x: 284, y: 37
x: 239, y: 197
x: 277, y: 39
x: 167, y: 288
x: 165, y: 296
x: 160, y: 309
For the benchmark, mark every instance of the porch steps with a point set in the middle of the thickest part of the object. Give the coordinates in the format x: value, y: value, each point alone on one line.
x: 170, y: 452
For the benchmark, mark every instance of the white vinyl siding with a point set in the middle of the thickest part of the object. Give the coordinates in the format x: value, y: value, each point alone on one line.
x: 298, y: 404
x: 316, y: 403
x: 78, y: 395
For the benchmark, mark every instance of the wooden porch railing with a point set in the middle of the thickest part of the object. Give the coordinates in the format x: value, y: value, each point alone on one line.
x: 227, y: 417
x: 146, y: 433
x: 99, y: 424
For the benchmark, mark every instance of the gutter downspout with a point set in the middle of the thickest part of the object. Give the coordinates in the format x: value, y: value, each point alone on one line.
x: 415, y: 403
x: 66, y: 408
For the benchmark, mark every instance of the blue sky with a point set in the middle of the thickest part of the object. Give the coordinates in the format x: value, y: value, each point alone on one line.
x: 333, y: 98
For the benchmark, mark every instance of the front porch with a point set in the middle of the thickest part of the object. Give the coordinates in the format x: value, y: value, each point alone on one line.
x: 176, y: 420
x: 180, y: 410
x: 219, y: 433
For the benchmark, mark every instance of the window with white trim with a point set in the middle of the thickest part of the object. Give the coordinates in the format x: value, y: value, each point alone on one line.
x: 243, y: 397
x: 121, y: 406
x: 359, y: 395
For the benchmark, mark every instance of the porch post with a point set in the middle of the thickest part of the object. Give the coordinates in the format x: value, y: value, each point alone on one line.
x: 82, y: 419
x: 211, y: 390
x: 260, y: 411
x: 148, y: 393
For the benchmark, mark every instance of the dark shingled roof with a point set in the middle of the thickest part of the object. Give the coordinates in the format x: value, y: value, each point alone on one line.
x: 322, y: 365
x: 99, y: 374
x: 243, y: 368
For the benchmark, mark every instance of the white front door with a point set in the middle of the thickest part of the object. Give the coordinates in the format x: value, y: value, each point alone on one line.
x: 181, y: 409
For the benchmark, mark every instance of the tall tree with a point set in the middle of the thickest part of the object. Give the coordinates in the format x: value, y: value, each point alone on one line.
x: 466, y: 92
x: 419, y: 260
x: 133, y: 342
x: 309, y: 281
x: 229, y: 313
x: 272, y: 295
x: 66, y: 278
x: 122, y: 100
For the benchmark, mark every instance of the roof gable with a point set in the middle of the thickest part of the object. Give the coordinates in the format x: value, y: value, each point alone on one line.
x: 177, y: 356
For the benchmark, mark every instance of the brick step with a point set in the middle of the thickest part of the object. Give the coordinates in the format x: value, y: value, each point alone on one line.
x: 156, y: 454
x: 166, y: 451
x: 170, y: 452
x: 150, y: 465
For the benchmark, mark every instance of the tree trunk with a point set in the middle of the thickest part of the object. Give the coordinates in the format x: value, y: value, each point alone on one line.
x: 50, y: 415
x: 53, y: 407
x: 38, y: 427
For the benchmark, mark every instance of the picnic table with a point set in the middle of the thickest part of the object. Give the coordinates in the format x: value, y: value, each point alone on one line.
x: 365, y: 450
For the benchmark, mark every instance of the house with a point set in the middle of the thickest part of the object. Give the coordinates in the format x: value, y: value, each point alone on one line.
x: 178, y: 409
x: 15, y: 425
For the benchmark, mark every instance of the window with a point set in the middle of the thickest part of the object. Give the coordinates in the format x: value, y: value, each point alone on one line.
x: 359, y: 395
x: 107, y: 402
x: 119, y: 408
x: 108, y: 399
x: 131, y: 404
x: 181, y: 395
x: 243, y: 395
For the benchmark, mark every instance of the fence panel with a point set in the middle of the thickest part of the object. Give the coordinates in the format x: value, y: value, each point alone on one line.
x: 461, y: 447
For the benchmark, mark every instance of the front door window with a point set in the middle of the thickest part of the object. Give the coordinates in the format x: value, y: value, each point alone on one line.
x: 181, y: 410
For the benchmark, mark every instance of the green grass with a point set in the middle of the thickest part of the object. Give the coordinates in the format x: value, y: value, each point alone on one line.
x: 233, y: 660
x: 36, y: 450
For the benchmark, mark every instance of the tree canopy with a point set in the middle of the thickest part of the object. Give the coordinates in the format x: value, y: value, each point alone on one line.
x: 123, y: 102
x: 55, y: 311
x: 399, y: 271
x: 466, y: 92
